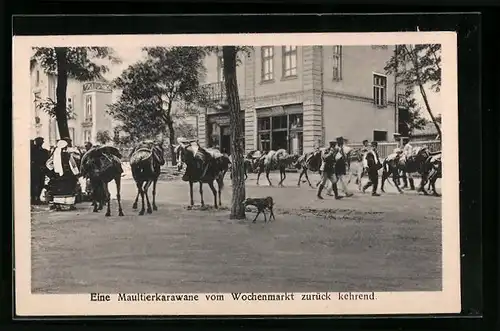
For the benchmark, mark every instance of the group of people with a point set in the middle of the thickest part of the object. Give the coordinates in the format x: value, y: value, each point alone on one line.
x: 334, y: 165
x: 59, y: 165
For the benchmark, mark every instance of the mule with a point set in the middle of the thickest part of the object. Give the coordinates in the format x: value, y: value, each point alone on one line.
x: 405, y: 166
x: 275, y: 160
x: 308, y: 161
x: 203, y: 165
x: 391, y: 167
x: 432, y: 171
x: 146, y: 160
x: 102, y: 165
x: 248, y: 164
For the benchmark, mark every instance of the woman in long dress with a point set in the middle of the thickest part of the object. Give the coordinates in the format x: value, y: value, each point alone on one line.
x: 64, y: 170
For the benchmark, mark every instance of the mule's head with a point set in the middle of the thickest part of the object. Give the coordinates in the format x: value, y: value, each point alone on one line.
x: 185, y: 152
x: 179, y: 156
x: 159, y: 145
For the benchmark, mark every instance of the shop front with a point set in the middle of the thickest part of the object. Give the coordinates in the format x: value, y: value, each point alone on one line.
x: 280, y: 127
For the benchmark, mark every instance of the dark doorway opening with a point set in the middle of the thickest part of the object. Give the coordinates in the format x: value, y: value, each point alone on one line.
x: 225, y: 141
x: 404, y: 119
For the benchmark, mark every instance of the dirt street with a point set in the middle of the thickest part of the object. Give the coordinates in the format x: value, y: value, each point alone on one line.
x: 362, y: 243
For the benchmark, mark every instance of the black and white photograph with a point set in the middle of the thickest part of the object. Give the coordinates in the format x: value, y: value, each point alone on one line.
x: 236, y: 174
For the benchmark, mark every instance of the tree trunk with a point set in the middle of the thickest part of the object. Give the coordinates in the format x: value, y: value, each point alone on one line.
x: 416, y: 65
x: 62, y: 82
x: 171, y: 139
x: 424, y: 96
x: 237, y: 169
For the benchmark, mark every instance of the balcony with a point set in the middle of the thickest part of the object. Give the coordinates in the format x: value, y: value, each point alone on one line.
x: 87, y: 122
x: 215, y: 93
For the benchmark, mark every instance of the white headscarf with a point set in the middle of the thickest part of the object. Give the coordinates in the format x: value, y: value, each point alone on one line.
x: 58, y: 168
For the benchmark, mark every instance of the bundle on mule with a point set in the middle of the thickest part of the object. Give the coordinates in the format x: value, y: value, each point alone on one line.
x: 203, y: 165
x: 99, y: 161
x: 102, y: 165
x: 146, y: 160
x: 276, y: 160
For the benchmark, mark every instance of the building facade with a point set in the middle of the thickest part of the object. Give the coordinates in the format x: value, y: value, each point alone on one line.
x: 301, y: 97
x: 87, y: 100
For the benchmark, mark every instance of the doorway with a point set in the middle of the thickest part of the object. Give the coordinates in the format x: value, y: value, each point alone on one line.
x: 404, y: 119
x: 225, y: 141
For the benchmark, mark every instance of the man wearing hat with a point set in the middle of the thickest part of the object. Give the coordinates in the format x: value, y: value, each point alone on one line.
x: 407, y: 148
x: 39, y: 156
x: 374, y: 164
x: 407, y: 153
x: 328, y: 170
x: 88, y: 146
x: 365, y: 149
x: 340, y: 165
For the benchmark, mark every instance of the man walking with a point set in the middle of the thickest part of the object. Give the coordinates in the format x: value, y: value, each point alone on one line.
x: 340, y: 166
x: 407, y: 154
x: 374, y: 164
x: 328, y: 171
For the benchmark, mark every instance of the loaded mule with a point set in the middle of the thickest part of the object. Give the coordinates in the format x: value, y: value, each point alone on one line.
x: 432, y: 171
x: 309, y: 161
x: 146, y: 160
x: 102, y: 165
x: 203, y: 165
x: 275, y: 160
x: 249, y: 162
x: 405, y: 166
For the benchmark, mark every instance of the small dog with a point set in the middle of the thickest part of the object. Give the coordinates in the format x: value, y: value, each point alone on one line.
x: 262, y: 204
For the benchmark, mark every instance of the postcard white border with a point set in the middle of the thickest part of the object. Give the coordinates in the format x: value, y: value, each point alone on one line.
x: 446, y: 301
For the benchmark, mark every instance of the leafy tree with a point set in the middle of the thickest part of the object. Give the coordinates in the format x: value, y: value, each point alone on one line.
x: 49, y: 106
x: 138, y: 119
x: 103, y: 137
x: 418, y: 65
x: 184, y: 130
x: 157, y: 89
x: 230, y: 62
x: 74, y: 62
x: 415, y: 120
